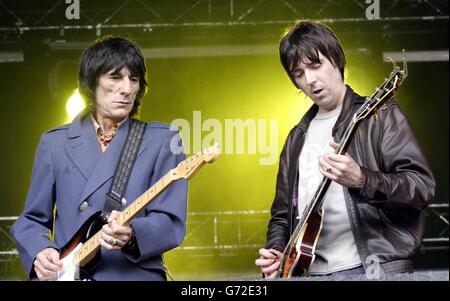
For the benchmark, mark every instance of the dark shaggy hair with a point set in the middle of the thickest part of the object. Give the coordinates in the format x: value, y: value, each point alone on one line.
x: 111, y: 53
x: 303, y: 42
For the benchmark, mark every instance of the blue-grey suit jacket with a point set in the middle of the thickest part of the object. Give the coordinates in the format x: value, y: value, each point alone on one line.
x: 70, y: 168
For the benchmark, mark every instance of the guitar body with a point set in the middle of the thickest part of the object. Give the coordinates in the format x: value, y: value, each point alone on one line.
x: 71, y: 271
x: 300, y: 257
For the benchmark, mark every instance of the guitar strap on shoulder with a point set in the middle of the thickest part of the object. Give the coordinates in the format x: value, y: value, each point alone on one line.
x: 123, y: 170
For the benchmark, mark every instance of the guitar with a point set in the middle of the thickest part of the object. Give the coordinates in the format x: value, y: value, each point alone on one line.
x: 79, y: 252
x: 299, y: 251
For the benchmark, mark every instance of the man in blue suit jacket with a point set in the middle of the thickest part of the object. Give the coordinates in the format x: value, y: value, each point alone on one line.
x: 73, y: 170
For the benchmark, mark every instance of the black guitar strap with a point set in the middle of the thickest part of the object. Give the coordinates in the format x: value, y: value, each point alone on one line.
x: 123, y: 170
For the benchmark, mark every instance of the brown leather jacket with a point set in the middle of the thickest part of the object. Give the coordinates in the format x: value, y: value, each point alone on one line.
x: 387, y: 214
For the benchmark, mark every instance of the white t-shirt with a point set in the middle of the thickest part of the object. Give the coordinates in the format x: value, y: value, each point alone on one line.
x: 336, y: 249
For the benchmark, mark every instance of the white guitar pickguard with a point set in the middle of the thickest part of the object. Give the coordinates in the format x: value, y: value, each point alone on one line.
x: 70, y: 271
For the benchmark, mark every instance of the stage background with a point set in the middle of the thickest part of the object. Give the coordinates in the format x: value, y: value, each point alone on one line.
x: 219, y: 58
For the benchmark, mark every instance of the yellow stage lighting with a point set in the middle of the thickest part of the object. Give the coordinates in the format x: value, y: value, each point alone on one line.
x: 75, y: 104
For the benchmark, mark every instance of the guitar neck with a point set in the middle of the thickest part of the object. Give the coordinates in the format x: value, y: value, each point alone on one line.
x: 319, y: 195
x: 90, y: 247
x: 144, y: 200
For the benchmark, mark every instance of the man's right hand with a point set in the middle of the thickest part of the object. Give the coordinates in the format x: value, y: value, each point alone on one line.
x: 269, y: 261
x: 47, y: 264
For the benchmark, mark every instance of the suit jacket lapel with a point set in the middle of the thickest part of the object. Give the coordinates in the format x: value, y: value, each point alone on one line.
x: 82, y: 147
x: 107, y: 163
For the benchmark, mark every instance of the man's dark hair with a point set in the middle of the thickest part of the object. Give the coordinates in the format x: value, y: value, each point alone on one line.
x: 303, y: 42
x: 111, y: 53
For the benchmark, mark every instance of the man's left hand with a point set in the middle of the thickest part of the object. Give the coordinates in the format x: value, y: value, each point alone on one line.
x: 341, y: 168
x: 113, y: 236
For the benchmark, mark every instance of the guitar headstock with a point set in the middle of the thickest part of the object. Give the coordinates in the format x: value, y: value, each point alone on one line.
x: 385, y: 91
x: 189, y: 167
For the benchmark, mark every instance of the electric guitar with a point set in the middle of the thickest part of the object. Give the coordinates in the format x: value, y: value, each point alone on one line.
x: 79, y: 252
x: 299, y: 252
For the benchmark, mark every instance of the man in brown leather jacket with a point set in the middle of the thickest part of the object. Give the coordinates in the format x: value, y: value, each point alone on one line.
x: 374, y: 208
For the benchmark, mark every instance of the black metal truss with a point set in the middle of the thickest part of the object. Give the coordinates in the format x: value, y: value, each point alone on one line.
x: 47, y: 18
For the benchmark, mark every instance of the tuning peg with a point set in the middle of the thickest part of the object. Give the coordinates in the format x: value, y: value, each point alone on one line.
x: 217, y: 146
x: 389, y: 59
